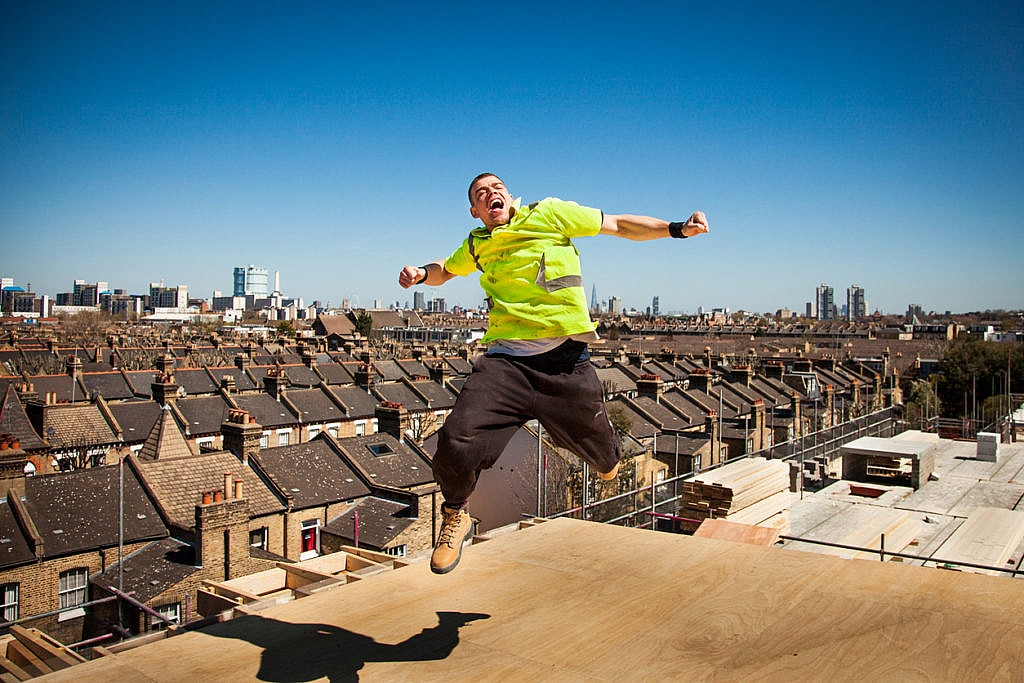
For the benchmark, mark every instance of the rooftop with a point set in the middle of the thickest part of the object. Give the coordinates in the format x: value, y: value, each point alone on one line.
x: 570, y: 600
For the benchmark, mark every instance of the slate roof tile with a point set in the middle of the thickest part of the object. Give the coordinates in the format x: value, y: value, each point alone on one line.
x: 110, y: 385
x: 78, y: 511
x: 315, y: 406
x: 385, y: 461
x: 13, y: 420
x: 204, y: 414
x: 312, y: 473
x: 150, y: 571
x: 360, y: 404
x: 136, y: 419
x: 268, y: 411
x: 179, y: 483
x: 15, y: 549
x: 380, y: 521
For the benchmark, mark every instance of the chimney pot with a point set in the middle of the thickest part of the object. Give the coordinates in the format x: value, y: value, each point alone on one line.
x: 218, y: 496
x: 238, y: 488
x: 207, y: 498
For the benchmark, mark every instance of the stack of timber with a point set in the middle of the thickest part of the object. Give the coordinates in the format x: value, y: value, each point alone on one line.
x: 989, y: 536
x: 26, y: 653
x: 863, y: 526
x: 730, y: 488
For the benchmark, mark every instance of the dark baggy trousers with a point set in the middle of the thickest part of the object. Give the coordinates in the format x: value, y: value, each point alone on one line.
x: 559, y: 388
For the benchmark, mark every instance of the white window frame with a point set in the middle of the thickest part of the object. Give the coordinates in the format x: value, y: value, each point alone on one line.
x: 171, y: 611
x: 284, y: 437
x: 360, y: 426
x: 9, y: 601
x: 313, y: 431
x: 264, y: 440
x: 72, y: 592
x: 397, y: 551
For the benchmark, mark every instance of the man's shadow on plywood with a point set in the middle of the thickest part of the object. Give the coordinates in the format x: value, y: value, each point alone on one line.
x: 307, y: 652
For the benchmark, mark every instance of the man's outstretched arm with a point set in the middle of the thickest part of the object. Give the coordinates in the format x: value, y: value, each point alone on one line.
x: 642, y: 228
x: 431, y: 274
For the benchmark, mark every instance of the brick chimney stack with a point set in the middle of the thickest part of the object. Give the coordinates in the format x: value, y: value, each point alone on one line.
x: 650, y: 385
x: 166, y: 364
x: 275, y: 381
x: 222, y: 534
x: 744, y: 374
x: 73, y: 366
x: 241, y: 434
x: 700, y: 379
x: 393, y: 419
x: 364, y: 375
x: 439, y: 372
x: 242, y: 361
x: 760, y: 425
x: 711, y: 429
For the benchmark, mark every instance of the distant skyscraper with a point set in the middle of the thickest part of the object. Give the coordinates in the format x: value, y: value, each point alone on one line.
x: 655, y: 310
x: 856, y: 304
x: 615, y: 305
x: 419, y: 302
x: 824, y: 303
x: 251, y: 280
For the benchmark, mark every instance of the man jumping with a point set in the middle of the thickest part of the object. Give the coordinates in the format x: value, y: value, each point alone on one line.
x: 537, y: 365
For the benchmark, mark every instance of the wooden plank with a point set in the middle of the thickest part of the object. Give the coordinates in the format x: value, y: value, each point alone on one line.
x: 18, y: 653
x: 715, y: 610
x: 989, y: 536
x: 44, y: 647
x: 737, y: 533
x: 12, y: 672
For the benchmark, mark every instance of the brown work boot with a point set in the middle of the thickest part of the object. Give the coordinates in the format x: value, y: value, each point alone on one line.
x: 456, y: 529
x: 609, y: 476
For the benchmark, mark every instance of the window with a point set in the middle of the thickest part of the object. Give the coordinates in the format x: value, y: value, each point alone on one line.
x: 360, y: 427
x: 313, y: 431
x: 310, y: 539
x: 258, y: 537
x: 397, y: 551
x: 381, y: 449
x: 264, y: 440
x: 283, y: 438
x: 171, y: 612
x: 9, y: 601
x: 73, y: 590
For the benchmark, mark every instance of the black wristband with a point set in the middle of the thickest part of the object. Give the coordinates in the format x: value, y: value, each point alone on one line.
x: 676, y: 230
x: 423, y: 279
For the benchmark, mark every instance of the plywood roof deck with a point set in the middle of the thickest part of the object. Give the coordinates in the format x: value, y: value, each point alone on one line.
x: 568, y: 600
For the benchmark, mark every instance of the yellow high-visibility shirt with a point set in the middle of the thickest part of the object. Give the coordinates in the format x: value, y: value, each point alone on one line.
x: 530, y: 270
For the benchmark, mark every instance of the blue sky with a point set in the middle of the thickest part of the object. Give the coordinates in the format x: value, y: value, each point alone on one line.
x: 844, y: 143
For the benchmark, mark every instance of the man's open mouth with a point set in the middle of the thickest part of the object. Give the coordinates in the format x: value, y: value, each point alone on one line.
x: 496, y: 203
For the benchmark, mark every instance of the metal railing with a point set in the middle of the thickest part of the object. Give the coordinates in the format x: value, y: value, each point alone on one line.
x: 642, y: 506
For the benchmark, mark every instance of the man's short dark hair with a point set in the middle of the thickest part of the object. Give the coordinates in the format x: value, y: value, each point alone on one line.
x: 473, y: 182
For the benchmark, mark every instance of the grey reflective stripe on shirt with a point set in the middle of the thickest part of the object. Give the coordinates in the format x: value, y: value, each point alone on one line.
x: 559, y: 282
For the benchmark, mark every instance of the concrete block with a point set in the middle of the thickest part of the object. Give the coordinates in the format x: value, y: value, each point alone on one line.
x: 988, y: 446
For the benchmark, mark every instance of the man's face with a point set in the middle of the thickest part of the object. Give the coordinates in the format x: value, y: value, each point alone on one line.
x: 492, y: 203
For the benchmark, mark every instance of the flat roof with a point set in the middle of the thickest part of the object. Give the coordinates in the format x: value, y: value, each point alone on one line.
x: 570, y: 600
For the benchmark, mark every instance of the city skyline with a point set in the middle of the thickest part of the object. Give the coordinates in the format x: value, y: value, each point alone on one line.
x: 146, y: 143
x: 823, y: 299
